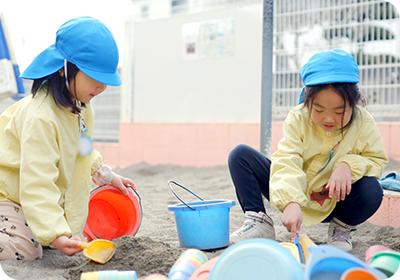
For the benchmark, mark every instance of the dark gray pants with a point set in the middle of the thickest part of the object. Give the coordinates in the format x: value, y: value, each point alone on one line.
x: 250, y: 169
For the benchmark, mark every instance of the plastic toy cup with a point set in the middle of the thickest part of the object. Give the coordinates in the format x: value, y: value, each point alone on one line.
x: 187, y: 263
x: 373, y: 250
x: 195, y: 263
x: 386, y: 261
x: 203, y: 272
x: 93, y: 275
x: 196, y: 258
x: 359, y: 273
x: 194, y: 253
x: 182, y: 271
x: 109, y: 275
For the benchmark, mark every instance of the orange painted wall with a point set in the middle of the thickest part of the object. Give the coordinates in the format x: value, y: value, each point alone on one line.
x: 201, y: 145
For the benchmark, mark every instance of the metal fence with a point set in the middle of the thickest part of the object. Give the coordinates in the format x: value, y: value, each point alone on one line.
x: 369, y: 30
x: 106, y: 108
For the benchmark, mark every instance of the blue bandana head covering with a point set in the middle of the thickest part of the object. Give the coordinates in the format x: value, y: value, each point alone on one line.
x: 333, y: 66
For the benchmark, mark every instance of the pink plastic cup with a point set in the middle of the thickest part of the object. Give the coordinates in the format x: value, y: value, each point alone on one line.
x: 373, y: 250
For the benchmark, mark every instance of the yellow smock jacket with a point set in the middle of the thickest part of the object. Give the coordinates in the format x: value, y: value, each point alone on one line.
x: 304, y: 150
x: 40, y: 168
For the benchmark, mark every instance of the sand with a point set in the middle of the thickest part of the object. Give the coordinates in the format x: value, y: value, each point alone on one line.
x: 156, y: 247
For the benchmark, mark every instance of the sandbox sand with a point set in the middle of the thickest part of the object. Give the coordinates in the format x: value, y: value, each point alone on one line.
x: 156, y: 247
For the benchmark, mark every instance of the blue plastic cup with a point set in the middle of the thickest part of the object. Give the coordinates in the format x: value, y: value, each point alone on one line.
x: 127, y: 275
x: 181, y: 271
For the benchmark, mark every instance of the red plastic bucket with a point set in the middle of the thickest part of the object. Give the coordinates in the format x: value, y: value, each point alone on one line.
x: 112, y: 214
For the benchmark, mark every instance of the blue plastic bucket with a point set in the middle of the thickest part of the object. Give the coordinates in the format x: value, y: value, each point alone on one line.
x: 202, y: 224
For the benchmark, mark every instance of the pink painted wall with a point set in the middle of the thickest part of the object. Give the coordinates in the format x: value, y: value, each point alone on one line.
x: 389, y: 211
x: 201, y: 145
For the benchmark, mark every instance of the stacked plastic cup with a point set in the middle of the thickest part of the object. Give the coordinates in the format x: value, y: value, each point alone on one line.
x: 373, y: 250
x: 109, y: 275
x: 187, y: 264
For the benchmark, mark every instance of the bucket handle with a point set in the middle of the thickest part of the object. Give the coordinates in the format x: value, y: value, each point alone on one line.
x: 173, y: 182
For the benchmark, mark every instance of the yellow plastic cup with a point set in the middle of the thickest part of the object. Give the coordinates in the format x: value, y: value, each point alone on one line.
x: 94, y: 275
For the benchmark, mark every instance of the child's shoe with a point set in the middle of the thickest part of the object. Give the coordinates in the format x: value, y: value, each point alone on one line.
x: 256, y: 225
x: 339, y: 235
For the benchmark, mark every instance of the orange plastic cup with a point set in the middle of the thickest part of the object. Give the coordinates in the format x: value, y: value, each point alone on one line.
x: 358, y: 273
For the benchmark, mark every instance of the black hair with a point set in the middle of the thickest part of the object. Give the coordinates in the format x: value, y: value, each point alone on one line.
x: 349, y: 92
x: 55, y: 85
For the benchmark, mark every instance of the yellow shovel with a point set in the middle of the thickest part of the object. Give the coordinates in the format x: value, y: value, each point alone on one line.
x: 293, y: 249
x: 98, y: 250
x: 305, y: 244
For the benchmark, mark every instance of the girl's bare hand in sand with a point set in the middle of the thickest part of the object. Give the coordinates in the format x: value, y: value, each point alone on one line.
x: 292, y: 218
x: 340, y: 181
x: 68, y: 246
x: 121, y: 183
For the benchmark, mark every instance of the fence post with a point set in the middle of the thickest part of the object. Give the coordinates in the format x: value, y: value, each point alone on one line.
x: 266, y: 77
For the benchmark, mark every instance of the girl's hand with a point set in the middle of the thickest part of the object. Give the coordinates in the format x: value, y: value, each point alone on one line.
x: 68, y: 246
x: 292, y: 218
x: 340, y: 181
x: 121, y: 182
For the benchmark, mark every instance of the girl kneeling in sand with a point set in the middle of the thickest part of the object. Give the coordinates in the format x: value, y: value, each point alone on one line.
x: 47, y: 161
x: 327, y: 164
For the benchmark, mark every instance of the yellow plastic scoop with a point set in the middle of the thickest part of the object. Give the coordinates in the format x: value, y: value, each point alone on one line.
x: 98, y: 250
x: 300, y: 248
x: 305, y: 244
x: 293, y: 249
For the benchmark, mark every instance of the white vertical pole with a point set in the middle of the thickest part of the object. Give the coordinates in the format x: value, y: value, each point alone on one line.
x: 127, y: 72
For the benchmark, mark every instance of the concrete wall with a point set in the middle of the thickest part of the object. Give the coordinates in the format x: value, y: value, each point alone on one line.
x: 168, y: 88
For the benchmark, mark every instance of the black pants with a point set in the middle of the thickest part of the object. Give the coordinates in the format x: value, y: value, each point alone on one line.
x: 250, y: 169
